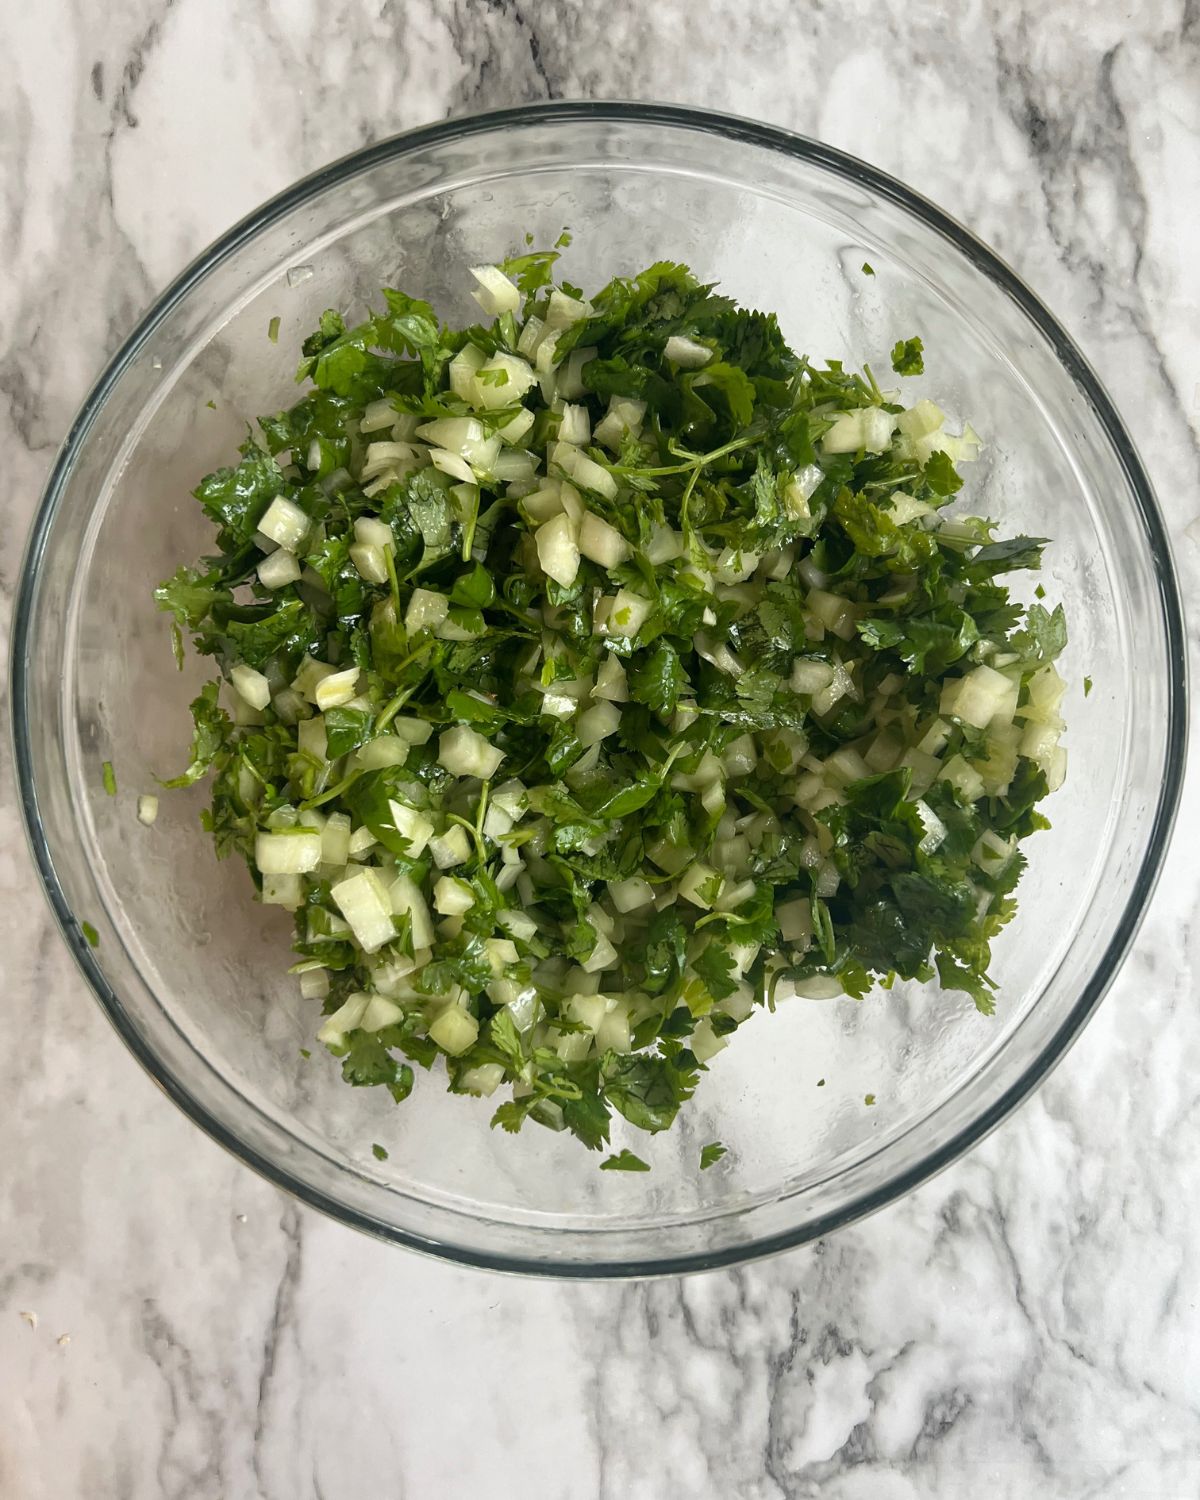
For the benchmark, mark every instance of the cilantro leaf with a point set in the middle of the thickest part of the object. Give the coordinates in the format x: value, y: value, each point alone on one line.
x: 624, y: 1161
x: 656, y: 678
x: 212, y: 730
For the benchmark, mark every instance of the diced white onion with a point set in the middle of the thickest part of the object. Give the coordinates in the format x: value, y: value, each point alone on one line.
x: 383, y: 751
x: 629, y: 612
x: 734, y: 565
x: 462, y: 371
x: 517, y: 427
x: 450, y: 848
x: 795, y: 921
x: 283, y: 890
x: 412, y: 731
x: 336, y: 689
x: 866, y: 429
x: 463, y: 752
x: 704, y: 1041
x: 278, y: 570
x: 452, y: 897
x: 558, y: 550
x: 687, y: 353
x: 611, y: 682
x: 364, y: 902
x: 497, y: 294
x: 631, y: 894
x: 512, y: 797
x: 574, y: 424
x: 405, y: 900
x: 664, y: 546
x: 335, y: 1027
x: 603, y: 956
x: 602, y: 543
x: 287, y: 853
x: 623, y: 419
x: 413, y: 826
x: 979, y: 697
x: 694, y: 881
x: 562, y: 311
x: 251, y: 686
x: 597, y: 723
x: 370, y: 562
x: 426, y: 610
x: 503, y: 380
x: 531, y: 336
x: 377, y: 415
x: 454, y: 1030
x: 450, y: 463
x: 285, y: 523
x: 314, y: 984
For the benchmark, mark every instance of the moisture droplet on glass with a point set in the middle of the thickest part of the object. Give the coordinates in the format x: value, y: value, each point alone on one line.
x: 297, y: 274
x: 155, y: 363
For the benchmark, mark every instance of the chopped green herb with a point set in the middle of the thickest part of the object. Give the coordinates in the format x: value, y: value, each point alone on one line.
x: 820, y: 1083
x: 1087, y: 686
x: 711, y: 1154
x: 908, y: 357
x: 110, y: 778
x: 868, y: 1099
x: 90, y: 933
x: 585, y: 678
x: 624, y: 1161
x: 273, y: 330
x: 212, y: 405
x: 867, y: 268
x: 305, y: 1053
x: 563, y: 241
x: 379, y: 1152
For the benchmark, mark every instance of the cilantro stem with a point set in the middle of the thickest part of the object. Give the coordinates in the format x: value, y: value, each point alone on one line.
x: 333, y: 791
x: 390, y: 563
x: 468, y: 536
x: 392, y: 708
x: 480, y: 813
x: 695, y: 460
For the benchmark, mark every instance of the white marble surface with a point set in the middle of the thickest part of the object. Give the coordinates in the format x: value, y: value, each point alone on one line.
x: 1026, y: 1325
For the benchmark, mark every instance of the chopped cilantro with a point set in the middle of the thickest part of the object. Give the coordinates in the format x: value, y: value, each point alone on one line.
x: 908, y: 357
x: 379, y: 1152
x: 90, y: 933
x: 584, y: 676
x: 868, y: 1099
x: 110, y: 778
x: 624, y: 1161
x: 867, y: 268
x: 273, y: 330
x: 1087, y: 686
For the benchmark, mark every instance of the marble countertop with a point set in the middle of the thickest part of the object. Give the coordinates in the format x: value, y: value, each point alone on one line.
x: 1026, y: 1324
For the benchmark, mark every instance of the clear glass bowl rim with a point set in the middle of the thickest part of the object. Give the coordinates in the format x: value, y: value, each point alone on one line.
x: 852, y: 170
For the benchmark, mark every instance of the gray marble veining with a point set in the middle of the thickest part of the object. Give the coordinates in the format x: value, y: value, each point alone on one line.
x: 1028, y: 1323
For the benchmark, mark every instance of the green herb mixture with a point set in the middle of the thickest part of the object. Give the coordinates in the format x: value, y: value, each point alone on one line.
x: 596, y: 676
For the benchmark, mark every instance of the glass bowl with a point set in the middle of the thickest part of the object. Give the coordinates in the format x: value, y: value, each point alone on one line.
x: 192, y: 972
